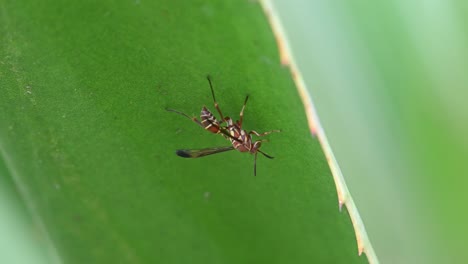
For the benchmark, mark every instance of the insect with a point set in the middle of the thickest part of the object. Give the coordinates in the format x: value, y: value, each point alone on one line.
x: 241, y: 140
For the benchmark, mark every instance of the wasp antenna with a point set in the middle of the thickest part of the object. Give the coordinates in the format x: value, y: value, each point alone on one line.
x: 255, y: 164
x: 266, y: 155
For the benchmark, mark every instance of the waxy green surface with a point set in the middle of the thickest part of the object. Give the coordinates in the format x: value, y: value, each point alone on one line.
x: 88, y: 147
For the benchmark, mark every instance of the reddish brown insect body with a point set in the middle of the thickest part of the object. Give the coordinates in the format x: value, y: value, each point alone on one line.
x: 240, y: 139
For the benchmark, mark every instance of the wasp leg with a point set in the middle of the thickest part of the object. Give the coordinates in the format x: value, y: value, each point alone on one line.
x: 214, y: 99
x: 264, y: 133
x: 194, y: 119
x: 242, y: 111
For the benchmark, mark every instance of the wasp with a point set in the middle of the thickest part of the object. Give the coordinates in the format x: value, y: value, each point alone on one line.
x: 240, y: 139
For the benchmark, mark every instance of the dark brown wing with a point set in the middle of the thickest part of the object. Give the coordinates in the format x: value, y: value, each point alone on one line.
x: 197, y: 153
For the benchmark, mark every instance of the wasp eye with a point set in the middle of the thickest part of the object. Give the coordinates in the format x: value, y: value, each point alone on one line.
x: 257, y: 144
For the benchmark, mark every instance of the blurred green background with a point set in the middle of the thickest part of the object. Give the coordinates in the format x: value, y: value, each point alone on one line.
x: 390, y: 82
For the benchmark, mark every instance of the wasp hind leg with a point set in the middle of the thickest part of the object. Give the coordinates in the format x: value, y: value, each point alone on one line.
x: 194, y: 119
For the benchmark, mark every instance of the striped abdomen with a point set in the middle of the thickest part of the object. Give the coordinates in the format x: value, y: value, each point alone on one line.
x: 208, y: 121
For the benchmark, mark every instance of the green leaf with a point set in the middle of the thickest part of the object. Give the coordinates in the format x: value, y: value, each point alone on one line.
x: 86, y: 139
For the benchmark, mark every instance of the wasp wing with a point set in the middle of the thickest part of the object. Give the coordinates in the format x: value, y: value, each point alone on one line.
x: 197, y: 153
